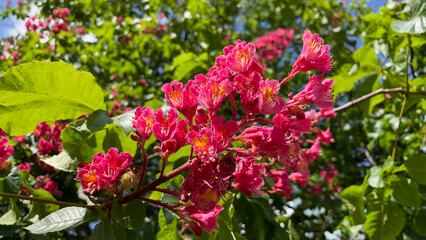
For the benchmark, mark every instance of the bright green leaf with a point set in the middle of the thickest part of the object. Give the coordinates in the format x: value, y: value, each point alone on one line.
x: 385, y: 219
x: 167, y: 231
x: 45, y: 91
x: 183, y: 152
x: 353, y: 198
x: 375, y: 180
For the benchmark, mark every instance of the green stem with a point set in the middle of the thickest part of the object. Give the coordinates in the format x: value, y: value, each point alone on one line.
x: 404, y: 104
x: 34, y: 199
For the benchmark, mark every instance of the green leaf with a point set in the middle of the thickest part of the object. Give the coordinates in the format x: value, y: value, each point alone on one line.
x: 45, y: 91
x: 154, y: 104
x: 132, y: 214
x: 12, y: 183
x: 86, y: 137
x: 63, y: 161
x: 419, y: 222
x: 366, y: 63
x: 405, y: 191
x: 184, y: 57
x: 183, y: 152
x: 385, y: 219
x: 103, y: 231
x: 353, y: 198
x: 65, y: 218
x: 12, y: 216
x: 38, y: 210
x: 185, y: 69
x: 416, y: 25
x: 416, y: 167
x: 124, y: 121
x: 375, y: 180
x: 79, y: 138
x: 167, y: 231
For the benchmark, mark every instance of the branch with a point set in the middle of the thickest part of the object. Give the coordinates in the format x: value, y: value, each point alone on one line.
x: 34, y: 199
x: 372, y: 94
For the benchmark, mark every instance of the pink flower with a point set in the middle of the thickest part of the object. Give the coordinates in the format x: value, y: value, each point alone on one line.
x: 317, y: 92
x: 223, y: 133
x: 207, y: 221
x: 144, y: 121
x: 5, y: 152
x: 249, y: 176
x: 64, y: 12
x: 324, y: 137
x: 109, y: 167
x: 301, y: 178
x: 185, y: 100
x: 269, y: 102
x: 164, y: 128
x: 104, y: 172
x: 213, y: 93
x: 3, y: 57
x: 53, y: 188
x: 202, y: 143
x: 240, y: 57
x: 314, y: 55
x: 205, y: 197
x: 282, y: 186
x: 313, y: 152
x: 45, y: 147
x: 87, y: 176
x: 248, y: 88
x: 325, y: 113
x: 42, y: 130
x: 2, y: 133
x: 24, y: 167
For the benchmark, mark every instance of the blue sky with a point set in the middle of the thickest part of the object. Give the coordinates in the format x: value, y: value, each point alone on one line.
x: 10, y: 26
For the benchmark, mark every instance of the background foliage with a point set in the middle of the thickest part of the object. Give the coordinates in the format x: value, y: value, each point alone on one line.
x: 133, y: 47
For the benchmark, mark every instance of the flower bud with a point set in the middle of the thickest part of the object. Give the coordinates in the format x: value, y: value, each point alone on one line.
x: 135, y: 137
x: 157, y: 149
x: 127, y: 180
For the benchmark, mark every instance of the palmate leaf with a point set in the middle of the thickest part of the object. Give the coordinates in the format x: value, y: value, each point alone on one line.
x: 37, y: 92
x: 65, y: 218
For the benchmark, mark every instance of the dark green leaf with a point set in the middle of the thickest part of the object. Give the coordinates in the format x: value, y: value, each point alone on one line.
x: 385, y: 219
x: 405, y: 191
x: 416, y: 167
x: 103, y: 231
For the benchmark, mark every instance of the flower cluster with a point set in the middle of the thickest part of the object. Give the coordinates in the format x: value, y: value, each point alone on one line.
x: 328, y: 181
x: 5, y: 150
x: 236, y: 152
x: 56, y: 23
x: 271, y: 45
x: 105, y: 172
x: 272, y: 146
x: 49, y: 138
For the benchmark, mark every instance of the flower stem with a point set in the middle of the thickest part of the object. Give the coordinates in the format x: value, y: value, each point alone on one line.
x: 34, y: 199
